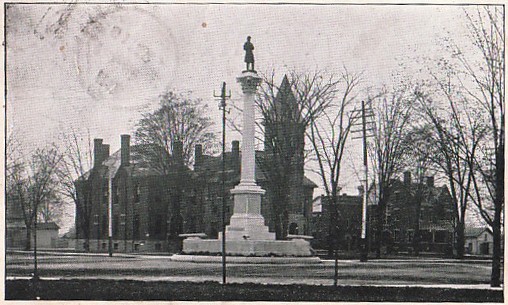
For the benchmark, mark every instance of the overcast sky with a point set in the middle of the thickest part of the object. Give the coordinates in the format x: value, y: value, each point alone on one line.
x: 97, y: 66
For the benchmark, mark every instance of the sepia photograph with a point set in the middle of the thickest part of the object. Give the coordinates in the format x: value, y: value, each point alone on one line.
x: 289, y: 152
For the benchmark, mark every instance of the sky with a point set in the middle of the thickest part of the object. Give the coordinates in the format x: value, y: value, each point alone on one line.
x: 97, y: 67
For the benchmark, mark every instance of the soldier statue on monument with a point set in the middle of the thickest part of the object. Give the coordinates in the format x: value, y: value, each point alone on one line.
x: 249, y: 55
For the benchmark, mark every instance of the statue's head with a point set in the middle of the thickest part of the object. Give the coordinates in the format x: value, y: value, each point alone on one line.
x: 248, y: 38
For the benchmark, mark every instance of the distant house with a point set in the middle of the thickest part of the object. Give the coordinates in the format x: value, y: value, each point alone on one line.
x: 47, y: 235
x: 431, y: 218
x: 479, y: 241
x: 348, y: 222
x: 16, y: 233
x: 15, y: 228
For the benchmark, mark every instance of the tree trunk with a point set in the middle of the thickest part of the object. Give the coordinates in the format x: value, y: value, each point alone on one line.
x: 416, y: 236
x: 496, y: 253
x: 87, y: 238
x: 459, y: 245
x: 285, y: 223
x: 28, y: 242
x: 379, y: 228
x: 277, y: 225
x: 331, y: 225
x: 495, y: 278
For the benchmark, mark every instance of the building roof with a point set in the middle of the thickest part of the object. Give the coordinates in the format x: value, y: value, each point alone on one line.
x: 475, y: 231
x: 47, y: 226
x: 139, y: 163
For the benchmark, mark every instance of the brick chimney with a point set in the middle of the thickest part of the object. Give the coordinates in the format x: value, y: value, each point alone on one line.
x: 407, y: 178
x: 97, y: 152
x: 125, y: 150
x: 235, y: 154
x: 430, y: 181
x: 178, y: 152
x: 198, y: 155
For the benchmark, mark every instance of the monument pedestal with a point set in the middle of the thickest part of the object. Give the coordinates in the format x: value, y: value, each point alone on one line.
x: 247, y: 223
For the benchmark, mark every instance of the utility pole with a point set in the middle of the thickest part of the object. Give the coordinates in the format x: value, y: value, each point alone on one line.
x: 364, y: 129
x: 110, y: 214
x: 222, y: 106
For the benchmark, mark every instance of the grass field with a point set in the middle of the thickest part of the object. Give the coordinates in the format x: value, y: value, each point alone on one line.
x: 213, y: 291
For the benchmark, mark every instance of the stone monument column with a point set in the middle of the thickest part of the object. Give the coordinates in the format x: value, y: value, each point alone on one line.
x: 249, y: 81
x: 247, y: 223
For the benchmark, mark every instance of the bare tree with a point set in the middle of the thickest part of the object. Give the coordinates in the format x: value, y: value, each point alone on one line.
x: 458, y: 130
x: 328, y: 136
x: 31, y: 182
x: 179, y: 118
x: 487, y: 75
x: 76, y: 162
x: 287, y: 111
x: 392, y: 111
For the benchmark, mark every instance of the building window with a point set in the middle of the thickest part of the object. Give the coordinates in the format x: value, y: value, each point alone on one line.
x: 397, y: 195
x: 158, y: 247
x: 485, y: 237
x: 96, y: 219
x: 136, y: 193
x: 293, y: 228
x: 136, y: 227
x: 157, y: 225
x: 410, y: 235
x: 396, y: 234
x: 440, y: 236
x: 122, y: 219
x: 115, y: 246
x: 105, y: 223
x: 105, y: 192
x: 104, y: 246
x: 116, y: 198
x: 115, y: 225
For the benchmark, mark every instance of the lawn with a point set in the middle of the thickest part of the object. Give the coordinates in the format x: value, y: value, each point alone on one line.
x: 213, y: 291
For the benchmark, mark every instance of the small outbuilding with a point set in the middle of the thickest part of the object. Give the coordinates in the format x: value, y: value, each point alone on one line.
x: 47, y: 235
x: 479, y: 241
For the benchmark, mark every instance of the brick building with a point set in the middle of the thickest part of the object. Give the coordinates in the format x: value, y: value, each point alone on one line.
x: 144, y: 200
x: 434, y: 216
x: 435, y: 224
x: 348, y: 222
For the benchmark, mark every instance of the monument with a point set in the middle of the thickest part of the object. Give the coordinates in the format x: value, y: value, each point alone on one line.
x: 247, y: 236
